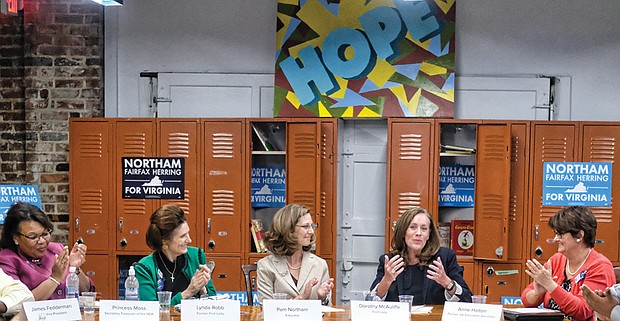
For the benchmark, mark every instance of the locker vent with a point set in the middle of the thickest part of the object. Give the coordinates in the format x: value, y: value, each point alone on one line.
x: 304, y: 145
x: 178, y: 145
x: 91, y: 146
x: 91, y: 202
x: 410, y: 147
x: 223, y: 202
x: 408, y: 200
x: 222, y: 145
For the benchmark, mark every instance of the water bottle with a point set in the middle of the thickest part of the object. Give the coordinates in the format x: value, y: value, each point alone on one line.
x: 131, y: 286
x: 72, y: 284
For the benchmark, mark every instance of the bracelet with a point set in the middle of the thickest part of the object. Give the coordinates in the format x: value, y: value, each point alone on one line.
x: 55, y: 281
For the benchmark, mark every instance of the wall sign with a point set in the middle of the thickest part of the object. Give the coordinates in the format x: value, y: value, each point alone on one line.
x: 268, y: 186
x: 576, y: 184
x: 352, y: 58
x: 11, y: 194
x: 153, y: 177
x: 456, y: 185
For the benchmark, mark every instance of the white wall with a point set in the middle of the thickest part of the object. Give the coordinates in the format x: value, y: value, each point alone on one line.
x: 577, y: 38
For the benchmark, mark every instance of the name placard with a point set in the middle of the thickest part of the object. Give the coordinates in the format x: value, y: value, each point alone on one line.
x: 292, y: 310
x: 377, y: 310
x: 461, y: 311
x: 115, y: 310
x: 212, y: 310
x: 65, y: 309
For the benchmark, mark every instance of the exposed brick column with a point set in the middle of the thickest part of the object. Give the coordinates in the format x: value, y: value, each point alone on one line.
x: 62, y: 78
x: 12, y: 117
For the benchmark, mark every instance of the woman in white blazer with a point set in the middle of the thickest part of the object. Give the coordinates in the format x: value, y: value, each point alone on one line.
x: 291, y: 268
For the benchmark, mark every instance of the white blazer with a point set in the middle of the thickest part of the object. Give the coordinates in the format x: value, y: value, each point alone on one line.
x: 273, y: 276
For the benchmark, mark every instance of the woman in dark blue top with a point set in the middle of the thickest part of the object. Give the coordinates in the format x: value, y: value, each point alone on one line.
x: 418, y: 265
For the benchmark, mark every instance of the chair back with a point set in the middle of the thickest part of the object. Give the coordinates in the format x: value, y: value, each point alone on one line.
x: 247, y: 269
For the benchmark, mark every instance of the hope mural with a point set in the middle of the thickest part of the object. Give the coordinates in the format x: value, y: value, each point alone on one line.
x: 365, y: 58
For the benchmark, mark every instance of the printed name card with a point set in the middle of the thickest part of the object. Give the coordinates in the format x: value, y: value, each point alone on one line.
x: 61, y: 310
x: 292, y: 310
x: 212, y: 310
x: 461, y: 311
x: 379, y: 310
x: 115, y: 310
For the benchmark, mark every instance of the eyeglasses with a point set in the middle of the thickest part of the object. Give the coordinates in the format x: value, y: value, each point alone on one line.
x: 309, y: 226
x: 36, y: 238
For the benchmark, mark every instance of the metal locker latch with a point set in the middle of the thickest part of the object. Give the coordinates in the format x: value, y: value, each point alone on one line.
x: 499, y: 251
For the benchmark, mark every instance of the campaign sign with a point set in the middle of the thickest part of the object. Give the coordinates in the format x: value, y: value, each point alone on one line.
x: 268, y: 186
x: 11, y: 194
x: 576, y: 184
x: 153, y: 177
x: 456, y: 185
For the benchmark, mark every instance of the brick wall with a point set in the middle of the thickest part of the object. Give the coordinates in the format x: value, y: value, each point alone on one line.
x: 52, y: 70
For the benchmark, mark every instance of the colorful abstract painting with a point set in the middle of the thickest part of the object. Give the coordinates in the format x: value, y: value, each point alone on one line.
x: 365, y: 58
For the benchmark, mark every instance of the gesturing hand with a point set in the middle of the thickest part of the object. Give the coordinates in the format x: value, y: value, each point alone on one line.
x: 308, y: 289
x: 59, y: 270
x: 325, y: 288
x: 393, y: 267
x: 78, y: 255
x: 544, y: 281
x: 199, y: 280
x: 602, y: 303
x: 437, y: 273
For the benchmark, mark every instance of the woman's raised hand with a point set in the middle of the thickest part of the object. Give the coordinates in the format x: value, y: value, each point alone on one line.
x: 437, y: 273
x: 78, y: 255
x: 393, y: 267
x: 325, y: 289
x: 199, y: 280
x: 59, y: 270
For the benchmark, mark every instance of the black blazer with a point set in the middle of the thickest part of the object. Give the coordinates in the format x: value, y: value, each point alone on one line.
x: 433, y: 292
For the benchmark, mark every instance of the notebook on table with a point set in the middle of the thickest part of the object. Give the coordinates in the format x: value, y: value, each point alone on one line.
x: 532, y: 314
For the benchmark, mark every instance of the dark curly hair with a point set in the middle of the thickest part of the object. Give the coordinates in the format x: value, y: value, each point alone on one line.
x: 280, y: 239
x: 18, y: 213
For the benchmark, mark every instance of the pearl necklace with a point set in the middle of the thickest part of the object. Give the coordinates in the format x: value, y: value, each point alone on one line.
x: 293, y: 268
x: 579, y: 268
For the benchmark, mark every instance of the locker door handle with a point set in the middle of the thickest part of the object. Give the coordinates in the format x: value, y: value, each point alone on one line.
x: 209, y: 226
x: 120, y: 224
x: 536, y: 232
x: 77, y: 224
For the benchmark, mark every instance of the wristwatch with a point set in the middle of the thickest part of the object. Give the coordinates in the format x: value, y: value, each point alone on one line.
x: 451, y: 286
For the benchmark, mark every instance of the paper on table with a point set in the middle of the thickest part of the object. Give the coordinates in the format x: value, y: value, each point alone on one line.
x: 421, y: 309
x: 328, y: 309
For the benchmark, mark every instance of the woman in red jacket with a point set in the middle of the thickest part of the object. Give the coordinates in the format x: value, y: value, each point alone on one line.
x: 558, y: 282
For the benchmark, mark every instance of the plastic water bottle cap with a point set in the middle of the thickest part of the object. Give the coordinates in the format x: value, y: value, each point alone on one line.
x: 72, y: 269
x: 132, y: 271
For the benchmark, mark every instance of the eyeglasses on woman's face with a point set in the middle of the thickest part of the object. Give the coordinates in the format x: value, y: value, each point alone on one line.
x: 308, y: 226
x: 35, y: 238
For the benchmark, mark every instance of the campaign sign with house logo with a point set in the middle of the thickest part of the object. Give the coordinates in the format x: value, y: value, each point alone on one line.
x: 576, y: 184
x: 456, y: 185
x: 268, y: 186
x: 154, y: 177
x: 11, y: 194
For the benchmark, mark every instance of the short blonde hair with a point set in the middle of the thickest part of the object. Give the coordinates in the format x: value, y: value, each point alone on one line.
x: 280, y: 239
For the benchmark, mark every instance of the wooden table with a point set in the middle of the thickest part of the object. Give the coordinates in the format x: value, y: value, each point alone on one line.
x: 255, y: 313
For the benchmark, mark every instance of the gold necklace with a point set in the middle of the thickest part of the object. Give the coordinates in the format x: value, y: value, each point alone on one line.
x: 582, y: 263
x: 165, y: 267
